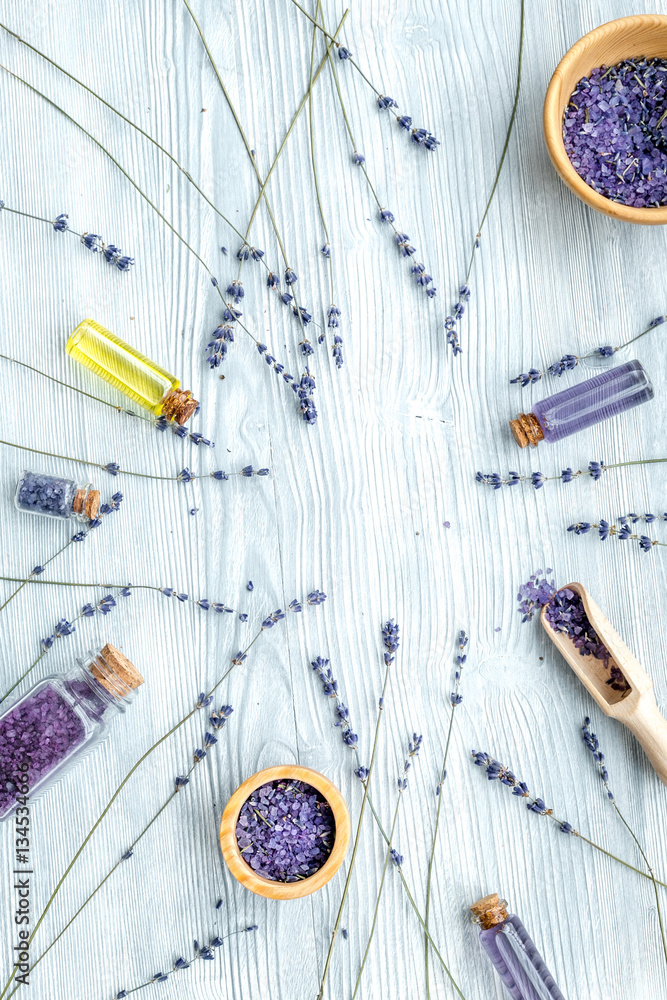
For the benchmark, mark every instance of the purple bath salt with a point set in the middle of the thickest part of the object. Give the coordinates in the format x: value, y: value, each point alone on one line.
x: 615, y: 131
x: 565, y: 613
x: 42, y: 731
x: 285, y: 831
x: 59, y: 719
x: 42, y: 494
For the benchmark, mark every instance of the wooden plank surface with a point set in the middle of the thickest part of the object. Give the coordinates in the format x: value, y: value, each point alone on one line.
x: 355, y: 505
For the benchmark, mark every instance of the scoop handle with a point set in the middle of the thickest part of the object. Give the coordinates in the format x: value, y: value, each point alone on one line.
x: 650, y: 727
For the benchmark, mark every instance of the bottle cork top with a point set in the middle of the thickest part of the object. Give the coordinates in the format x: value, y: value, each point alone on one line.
x: 179, y: 405
x: 114, y: 671
x: 489, y: 911
x: 526, y: 430
x: 86, y: 502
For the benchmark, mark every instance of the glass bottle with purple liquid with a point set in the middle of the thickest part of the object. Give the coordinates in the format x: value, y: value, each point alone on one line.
x: 58, y: 720
x: 606, y: 395
x: 513, y: 954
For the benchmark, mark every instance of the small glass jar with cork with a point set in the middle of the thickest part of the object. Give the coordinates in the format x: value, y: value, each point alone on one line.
x: 55, y: 496
x: 60, y: 719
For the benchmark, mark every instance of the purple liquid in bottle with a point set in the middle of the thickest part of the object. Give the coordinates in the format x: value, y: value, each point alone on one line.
x: 518, y: 962
x: 606, y: 395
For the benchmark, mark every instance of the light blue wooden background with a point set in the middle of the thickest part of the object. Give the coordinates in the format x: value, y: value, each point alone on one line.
x: 355, y: 505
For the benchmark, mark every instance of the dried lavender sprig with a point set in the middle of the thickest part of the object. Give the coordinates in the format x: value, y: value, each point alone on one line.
x: 419, y: 136
x: 570, y: 361
x: 391, y: 642
x: 80, y: 536
x: 125, y: 590
x: 201, y: 952
x: 593, y: 744
x: 333, y: 312
x: 497, y: 771
x: 402, y: 240
x: 538, y: 479
x: 331, y: 690
x: 391, y: 854
x: 132, y: 124
x: 313, y: 599
x: 214, y: 281
x: 184, y: 476
x: 455, y: 699
x: 623, y: 530
x: 159, y: 423
x: 302, y: 314
x: 217, y: 720
x: 91, y: 241
x: 64, y: 628
x: 451, y: 331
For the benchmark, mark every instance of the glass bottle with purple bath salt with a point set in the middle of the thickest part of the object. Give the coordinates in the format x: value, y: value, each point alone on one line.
x: 61, y: 718
x: 55, y: 496
x: 584, y: 405
x: 512, y: 952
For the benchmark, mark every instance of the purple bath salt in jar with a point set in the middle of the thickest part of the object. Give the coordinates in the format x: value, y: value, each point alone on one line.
x: 512, y: 952
x: 62, y: 717
x: 55, y: 496
x: 606, y: 395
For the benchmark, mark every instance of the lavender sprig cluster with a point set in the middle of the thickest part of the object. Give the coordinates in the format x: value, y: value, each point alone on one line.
x: 593, y: 744
x: 419, y: 136
x: 568, y: 362
x: 330, y: 687
x: 456, y: 697
x: 64, y: 627
x: 495, y: 771
x: 538, y: 479
x: 414, y: 746
x: 407, y: 250
x: 184, y: 476
x: 391, y: 640
x: 621, y: 529
x: 218, y: 606
x: 201, y: 952
x: 111, y: 253
x: 303, y: 389
x: 451, y: 331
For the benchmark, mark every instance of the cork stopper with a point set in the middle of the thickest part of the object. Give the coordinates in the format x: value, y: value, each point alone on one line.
x: 526, y: 430
x: 115, y: 672
x: 489, y: 911
x: 179, y: 405
x: 92, y: 504
x: 86, y: 502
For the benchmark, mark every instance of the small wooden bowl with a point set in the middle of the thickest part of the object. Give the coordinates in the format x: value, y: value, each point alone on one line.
x: 242, y: 871
x: 625, y: 38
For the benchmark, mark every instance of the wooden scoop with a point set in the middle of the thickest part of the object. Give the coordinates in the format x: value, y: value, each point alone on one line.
x: 636, y: 707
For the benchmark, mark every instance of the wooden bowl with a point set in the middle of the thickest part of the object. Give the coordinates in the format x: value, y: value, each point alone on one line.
x: 628, y: 37
x: 242, y: 871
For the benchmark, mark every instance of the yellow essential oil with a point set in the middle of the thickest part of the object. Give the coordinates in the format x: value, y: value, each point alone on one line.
x: 132, y: 373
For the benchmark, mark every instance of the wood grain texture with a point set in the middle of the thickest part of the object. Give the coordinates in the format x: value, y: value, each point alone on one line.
x: 355, y: 505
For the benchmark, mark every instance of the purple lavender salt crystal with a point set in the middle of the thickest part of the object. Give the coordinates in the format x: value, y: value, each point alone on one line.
x: 615, y: 132
x: 285, y: 831
x: 43, y: 730
x: 60, y: 716
x: 565, y: 613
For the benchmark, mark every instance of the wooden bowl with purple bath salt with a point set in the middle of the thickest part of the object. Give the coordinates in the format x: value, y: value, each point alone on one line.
x: 605, y: 119
x: 285, y: 832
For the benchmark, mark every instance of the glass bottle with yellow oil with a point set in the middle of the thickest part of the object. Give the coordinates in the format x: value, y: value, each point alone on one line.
x: 132, y: 373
